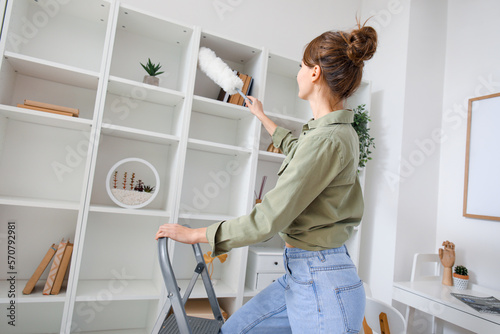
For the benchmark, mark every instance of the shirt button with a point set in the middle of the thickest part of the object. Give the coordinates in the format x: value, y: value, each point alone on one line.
x: 305, y: 133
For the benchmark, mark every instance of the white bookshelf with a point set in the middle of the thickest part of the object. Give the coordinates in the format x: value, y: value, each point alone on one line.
x: 210, y: 156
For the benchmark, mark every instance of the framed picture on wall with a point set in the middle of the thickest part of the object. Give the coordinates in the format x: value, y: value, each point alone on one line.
x: 482, y: 159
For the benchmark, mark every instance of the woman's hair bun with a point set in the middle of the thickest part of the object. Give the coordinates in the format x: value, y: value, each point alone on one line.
x: 361, y: 44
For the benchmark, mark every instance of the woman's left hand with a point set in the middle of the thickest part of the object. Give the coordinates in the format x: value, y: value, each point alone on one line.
x: 182, y: 234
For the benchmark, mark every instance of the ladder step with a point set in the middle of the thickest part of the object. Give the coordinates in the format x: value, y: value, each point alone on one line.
x: 198, y: 325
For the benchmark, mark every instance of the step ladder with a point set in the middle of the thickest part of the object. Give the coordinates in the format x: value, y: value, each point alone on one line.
x: 177, y: 322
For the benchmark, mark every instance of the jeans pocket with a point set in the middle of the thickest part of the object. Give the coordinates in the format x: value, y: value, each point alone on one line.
x: 352, y: 304
x: 298, y: 271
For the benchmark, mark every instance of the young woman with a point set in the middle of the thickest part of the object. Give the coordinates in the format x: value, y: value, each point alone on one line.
x: 314, y: 207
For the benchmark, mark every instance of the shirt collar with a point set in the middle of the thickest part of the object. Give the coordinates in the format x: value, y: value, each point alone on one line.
x: 335, y: 117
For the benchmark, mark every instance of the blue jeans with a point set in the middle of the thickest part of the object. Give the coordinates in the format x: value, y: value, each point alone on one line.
x: 320, y: 293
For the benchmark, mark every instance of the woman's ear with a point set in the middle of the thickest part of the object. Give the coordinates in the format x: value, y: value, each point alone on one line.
x: 316, y: 73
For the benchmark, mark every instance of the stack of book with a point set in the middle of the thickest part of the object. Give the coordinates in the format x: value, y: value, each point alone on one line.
x: 51, y: 108
x: 237, y: 98
x: 58, y: 269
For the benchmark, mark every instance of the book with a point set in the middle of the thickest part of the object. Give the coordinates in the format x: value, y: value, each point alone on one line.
x: 45, y: 110
x: 233, y: 99
x: 63, y: 269
x: 249, y: 90
x: 480, y: 304
x: 74, y: 111
x: 55, y: 267
x: 30, y: 285
x: 240, y: 99
x: 245, y: 89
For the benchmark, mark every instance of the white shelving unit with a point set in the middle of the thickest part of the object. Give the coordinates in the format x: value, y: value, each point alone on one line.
x: 210, y: 156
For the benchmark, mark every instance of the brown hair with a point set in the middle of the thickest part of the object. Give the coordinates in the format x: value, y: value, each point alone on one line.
x: 341, y: 57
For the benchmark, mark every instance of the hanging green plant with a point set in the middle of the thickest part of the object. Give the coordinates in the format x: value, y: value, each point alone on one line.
x: 360, y: 124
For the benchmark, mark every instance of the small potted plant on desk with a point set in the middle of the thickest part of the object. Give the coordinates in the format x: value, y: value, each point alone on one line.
x: 461, y: 277
x: 153, y: 71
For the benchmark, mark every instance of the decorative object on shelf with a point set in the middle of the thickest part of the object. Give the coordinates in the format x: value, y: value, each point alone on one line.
x: 153, y: 71
x: 50, y: 108
x: 133, y: 194
x: 461, y: 277
x: 360, y: 124
x: 447, y: 256
x: 261, y: 192
x: 274, y: 149
x: 58, y: 269
x: 217, y: 70
x: 209, y: 260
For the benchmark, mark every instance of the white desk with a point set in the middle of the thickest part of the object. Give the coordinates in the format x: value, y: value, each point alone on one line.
x: 434, y: 298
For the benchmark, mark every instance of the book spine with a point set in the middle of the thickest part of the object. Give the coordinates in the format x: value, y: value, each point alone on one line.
x: 233, y: 99
x: 54, y: 268
x: 246, y: 85
x: 63, y: 268
x: 44, y: 105
x: 30, y: 285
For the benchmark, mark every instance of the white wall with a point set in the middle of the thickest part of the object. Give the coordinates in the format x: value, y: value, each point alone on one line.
x: 387, y: 72
x: 419, y: 165
x: 283, y: 26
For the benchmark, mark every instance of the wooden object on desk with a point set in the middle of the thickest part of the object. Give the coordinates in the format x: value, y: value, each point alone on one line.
x: 447, y: 256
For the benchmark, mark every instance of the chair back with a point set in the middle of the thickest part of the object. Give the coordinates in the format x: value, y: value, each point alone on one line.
x: 395, y: 319
x: 425, y: 267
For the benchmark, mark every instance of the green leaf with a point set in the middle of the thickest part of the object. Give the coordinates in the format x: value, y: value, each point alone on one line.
x: 360, y: 125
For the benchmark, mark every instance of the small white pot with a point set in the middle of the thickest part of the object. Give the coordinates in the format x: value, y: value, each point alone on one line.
x: 460, y: 283
x: 151, y: 80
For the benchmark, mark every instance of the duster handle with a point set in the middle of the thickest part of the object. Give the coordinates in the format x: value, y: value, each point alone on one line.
x: 243, y: 95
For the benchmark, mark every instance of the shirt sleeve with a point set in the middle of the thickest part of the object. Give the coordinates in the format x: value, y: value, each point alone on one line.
x: 315, y: 164
x: 283, y: 139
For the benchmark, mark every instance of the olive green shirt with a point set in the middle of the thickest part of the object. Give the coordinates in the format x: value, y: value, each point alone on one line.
x: 318, y: 198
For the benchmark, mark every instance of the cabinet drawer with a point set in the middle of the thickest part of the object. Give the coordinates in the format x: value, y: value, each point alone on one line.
x: 262, y: 260
x: 263, y: 280
x: 269, y: 263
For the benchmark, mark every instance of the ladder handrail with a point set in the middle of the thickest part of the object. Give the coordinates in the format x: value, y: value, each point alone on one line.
x: 173, y: 293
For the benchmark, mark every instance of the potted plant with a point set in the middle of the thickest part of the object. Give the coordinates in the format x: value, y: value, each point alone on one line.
x: 461, y: 277
x: 360, y: 124
x: 153, y: 71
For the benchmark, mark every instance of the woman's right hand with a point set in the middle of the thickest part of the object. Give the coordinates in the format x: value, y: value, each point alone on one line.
x: 255, y: 107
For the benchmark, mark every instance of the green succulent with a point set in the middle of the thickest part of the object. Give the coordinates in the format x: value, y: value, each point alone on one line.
x: 360, y: 124
x: 461, y: 270
x: 151, y: 68
x: 149, y: 189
